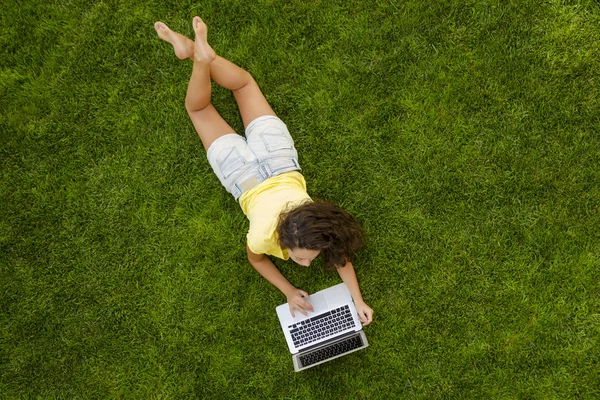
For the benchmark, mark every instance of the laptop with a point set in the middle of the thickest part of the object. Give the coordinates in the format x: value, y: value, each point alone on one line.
x: 332, y: 330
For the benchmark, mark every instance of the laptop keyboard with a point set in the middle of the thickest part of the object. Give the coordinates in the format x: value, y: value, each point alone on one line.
x: 343, y: 346
x: 321, y: 326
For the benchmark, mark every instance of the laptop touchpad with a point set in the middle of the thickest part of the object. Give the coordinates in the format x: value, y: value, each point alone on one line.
x: 318, y: 302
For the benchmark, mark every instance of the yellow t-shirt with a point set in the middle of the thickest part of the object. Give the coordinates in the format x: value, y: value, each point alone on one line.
x: 262, y: 205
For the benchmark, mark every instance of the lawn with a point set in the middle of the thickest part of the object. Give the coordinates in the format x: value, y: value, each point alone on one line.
x: 463, y: 135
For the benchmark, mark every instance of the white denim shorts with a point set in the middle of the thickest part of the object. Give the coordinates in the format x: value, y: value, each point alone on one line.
x: 266, y: 151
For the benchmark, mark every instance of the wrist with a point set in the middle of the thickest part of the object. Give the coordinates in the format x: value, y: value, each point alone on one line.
x: 288, y: 291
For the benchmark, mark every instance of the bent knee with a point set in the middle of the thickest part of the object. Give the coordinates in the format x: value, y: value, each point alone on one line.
x: 246, y: 81
x: 192, y: 107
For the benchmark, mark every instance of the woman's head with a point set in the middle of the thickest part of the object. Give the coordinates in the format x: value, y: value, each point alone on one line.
x: 319, y: 227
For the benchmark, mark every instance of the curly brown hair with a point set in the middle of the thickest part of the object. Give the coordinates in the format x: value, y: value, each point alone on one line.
x: 319, y: 225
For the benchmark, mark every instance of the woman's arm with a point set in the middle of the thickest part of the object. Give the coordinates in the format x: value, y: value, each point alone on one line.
x: 295, y: 297
x: 365, y: 313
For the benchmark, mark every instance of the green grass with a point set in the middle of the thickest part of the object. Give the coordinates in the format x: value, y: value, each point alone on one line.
x: 463, y: 135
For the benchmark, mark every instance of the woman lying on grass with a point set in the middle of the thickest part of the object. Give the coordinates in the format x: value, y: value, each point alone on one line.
x: 262, y: 173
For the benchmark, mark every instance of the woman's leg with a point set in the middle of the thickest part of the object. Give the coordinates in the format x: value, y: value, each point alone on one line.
x: 251, y: 101
x: 207, y: 121
x: 249, y: 97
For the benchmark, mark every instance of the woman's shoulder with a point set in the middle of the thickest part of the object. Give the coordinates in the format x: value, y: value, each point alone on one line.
x: 261, y: 239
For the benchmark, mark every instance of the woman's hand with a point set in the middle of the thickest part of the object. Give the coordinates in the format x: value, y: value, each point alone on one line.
x: 297, y: 301
x: 365, y: 313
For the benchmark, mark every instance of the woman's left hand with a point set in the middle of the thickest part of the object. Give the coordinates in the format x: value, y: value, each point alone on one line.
x: 365, y: 313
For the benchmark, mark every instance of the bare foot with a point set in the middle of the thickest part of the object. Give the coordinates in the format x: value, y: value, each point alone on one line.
x: 184, y: 47
x: 202, y: 51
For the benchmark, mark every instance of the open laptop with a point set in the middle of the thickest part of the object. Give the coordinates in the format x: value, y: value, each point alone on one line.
x: 330, y: 331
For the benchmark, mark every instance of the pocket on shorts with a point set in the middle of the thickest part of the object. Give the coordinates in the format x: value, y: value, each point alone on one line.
x: 229, y: 161
x: 280, y: 165
x: 276, y: 139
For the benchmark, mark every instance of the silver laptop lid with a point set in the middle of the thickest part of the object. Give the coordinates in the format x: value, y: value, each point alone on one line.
x: 331, y: 350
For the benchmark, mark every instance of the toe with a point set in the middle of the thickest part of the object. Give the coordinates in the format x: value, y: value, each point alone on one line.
x: 199, y: 25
